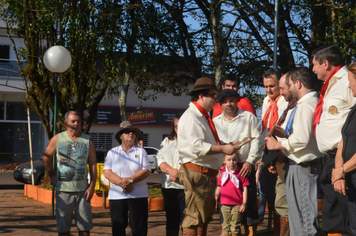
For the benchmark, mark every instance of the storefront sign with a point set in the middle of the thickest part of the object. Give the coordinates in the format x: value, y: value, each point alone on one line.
x: 146, y: 116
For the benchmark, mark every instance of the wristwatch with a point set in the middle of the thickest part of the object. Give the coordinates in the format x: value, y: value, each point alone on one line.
x: 131, y: 180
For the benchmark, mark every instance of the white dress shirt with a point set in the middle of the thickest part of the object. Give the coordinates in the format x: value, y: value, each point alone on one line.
x: 301, y: 144
x: 195, y: 139
x: 168, y: 153
x: 338, y: 101
x: 244, y: 124
x: 281, y: 104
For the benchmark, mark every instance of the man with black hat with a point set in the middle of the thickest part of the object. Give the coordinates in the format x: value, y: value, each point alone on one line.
x: 237, y: 124
x: 200, y: 152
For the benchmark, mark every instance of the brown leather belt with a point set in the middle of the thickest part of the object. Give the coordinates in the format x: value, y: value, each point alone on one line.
x: 200, y: 169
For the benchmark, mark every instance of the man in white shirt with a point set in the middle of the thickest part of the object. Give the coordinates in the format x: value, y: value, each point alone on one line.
x: 273, y: 107
x: 200, y: 153
x: 236, y: 124
x: 301, y: 149
x: 334, y: 105
x: 281, y: 204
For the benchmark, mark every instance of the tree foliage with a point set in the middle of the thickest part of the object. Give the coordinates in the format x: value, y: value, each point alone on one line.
x: 160, y: 45
x: 239, y: 34
x: 72, y: 24
x: 113, y: 44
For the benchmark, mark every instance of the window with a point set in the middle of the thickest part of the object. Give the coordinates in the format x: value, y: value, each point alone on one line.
x: 18, y: 111
x: 15, y: 111
x: 2, y: 110
x: 4, y: 53
x: 102, y: 141
x: 145, y: 140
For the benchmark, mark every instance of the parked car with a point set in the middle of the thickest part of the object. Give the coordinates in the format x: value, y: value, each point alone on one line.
x: 151, y: 153
x: 22, y: 172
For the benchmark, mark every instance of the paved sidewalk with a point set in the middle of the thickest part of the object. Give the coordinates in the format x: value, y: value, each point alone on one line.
x: 20, y: 215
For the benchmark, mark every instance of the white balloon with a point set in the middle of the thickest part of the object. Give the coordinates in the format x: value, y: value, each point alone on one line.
x: 57, y: 59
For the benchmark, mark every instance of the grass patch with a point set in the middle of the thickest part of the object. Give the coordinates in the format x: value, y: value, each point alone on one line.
x: 154, y: 190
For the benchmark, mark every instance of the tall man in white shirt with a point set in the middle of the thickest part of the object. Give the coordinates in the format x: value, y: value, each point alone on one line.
x: 330, y: 114
x: 200, y: 153
x: 301, y: 149
x: 236, y: 124
x: 273, y: 107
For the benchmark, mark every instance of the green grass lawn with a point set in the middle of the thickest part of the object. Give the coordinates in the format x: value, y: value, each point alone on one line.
x: 154, y: 190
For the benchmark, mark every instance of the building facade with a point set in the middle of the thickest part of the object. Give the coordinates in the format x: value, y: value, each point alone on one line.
x: 152, y: 117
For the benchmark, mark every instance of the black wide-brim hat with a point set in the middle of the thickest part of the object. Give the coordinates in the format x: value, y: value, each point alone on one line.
x: 127, y: 125
x: 203, y: 83
x: 227, y: 93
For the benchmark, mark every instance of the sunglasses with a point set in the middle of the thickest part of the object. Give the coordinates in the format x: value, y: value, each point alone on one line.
x: 213, y: 95
x: 127, y: 131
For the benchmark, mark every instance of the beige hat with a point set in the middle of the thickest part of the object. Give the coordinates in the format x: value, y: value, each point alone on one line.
x: 203, y: 83
x: 126, y: 125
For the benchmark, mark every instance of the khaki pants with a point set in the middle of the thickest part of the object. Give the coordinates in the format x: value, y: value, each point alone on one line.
x: 199, y: 198
x: 232, y: 219
x: 281, y: 203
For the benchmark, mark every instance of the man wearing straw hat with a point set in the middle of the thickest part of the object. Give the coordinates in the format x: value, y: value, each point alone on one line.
x: 201, y: 157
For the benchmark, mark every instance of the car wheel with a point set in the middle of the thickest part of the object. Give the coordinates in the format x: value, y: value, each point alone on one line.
x: 40, y: 179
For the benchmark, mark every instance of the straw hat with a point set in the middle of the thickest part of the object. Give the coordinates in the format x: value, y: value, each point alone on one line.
x: 127, y: 125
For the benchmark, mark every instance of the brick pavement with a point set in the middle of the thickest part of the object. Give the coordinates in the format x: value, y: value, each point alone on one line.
x: 20, y: 215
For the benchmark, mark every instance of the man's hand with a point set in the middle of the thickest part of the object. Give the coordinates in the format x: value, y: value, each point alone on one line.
x: 246, y: 169
x: 173, y: 174
x: 89, y: 193
x: 230, y: 148
x: 272, y: 169
x: 279, y: 132
x: 271, y: 143
x: 340, y: 186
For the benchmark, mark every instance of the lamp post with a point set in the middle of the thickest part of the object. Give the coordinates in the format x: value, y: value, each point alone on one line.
x: 57, y: 59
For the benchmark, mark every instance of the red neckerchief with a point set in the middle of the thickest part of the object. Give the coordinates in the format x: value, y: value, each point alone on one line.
x: 211, y: 124
x: 319, y: 106
x: 272, y: 112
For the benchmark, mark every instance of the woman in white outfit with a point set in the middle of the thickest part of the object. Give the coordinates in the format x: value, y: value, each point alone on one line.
x: 172, y: 189
x: 126, y: 167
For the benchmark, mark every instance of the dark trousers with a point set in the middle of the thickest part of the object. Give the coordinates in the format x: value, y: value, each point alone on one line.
x: 267, y: 191
x: 251, y: 215
x: 174, y: 204
x: 334, y: 214
x: 351, y: 203
x: 138, y: 208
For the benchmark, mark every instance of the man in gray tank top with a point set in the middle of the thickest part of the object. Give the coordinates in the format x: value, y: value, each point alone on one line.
x: 74, y: 151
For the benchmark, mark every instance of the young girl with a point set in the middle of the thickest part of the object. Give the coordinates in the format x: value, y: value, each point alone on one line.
x: 233, y: 190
